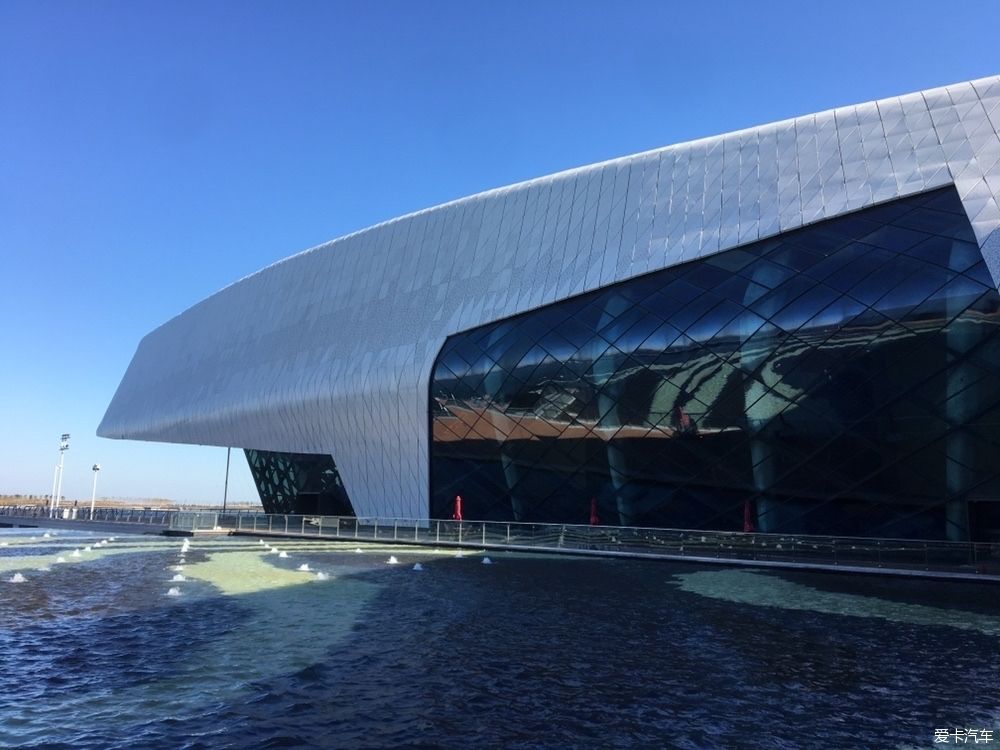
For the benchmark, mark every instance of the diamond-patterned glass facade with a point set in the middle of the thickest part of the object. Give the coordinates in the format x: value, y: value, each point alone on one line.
x: 301, y: 483
x: 843, y: 378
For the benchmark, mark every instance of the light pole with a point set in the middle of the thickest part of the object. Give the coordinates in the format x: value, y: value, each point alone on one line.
x: 55, y: 483
x: 225, y: 489
x: 93, y: 493
x: 57, y: 493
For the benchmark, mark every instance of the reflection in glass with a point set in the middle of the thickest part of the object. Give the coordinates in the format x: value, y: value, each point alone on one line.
x: 838, y: 379
x: 299, y: 483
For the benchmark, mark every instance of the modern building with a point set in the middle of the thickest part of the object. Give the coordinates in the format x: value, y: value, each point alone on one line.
x: 791, y: 328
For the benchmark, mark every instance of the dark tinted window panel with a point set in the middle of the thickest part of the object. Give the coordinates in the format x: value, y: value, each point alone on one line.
x: 300, y: 483
x: 843, y: 378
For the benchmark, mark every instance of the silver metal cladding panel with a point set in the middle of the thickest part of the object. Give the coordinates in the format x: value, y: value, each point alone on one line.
x: 330, y: 351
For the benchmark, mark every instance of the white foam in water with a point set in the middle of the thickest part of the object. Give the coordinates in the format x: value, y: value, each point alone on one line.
x: 182, y: 561
x: 178, y: 567
x: 46, y: 535
x: 487, y: 561
x: 357, y: 551
x: 17, y: 578
x: 392, y: 560
x: 304, y: 566
x: 75, y: 553
x: 60, y: 559
x: 178, y: 577
x: 274, y: 550
x: 321, y: 576
x: 87, y: 548
x: 418, y: 566
x: 111, y: 538
x: 173, y: 591
x: 3, y: 544
x: 44, y: 569
x: 458, y: 553
x: 283, y: 554
x: 261, y: 541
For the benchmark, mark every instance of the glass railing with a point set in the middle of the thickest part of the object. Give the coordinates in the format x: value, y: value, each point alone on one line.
x: 975, y: 557
x: 148, y: 516
x: 194, y: 521
x: 968, y: 557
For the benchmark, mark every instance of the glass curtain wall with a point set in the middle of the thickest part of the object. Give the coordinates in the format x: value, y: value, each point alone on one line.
x: 300, y: 483
x: 843, y: 378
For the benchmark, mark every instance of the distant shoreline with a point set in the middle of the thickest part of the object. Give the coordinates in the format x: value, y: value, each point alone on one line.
x: 144, y: 502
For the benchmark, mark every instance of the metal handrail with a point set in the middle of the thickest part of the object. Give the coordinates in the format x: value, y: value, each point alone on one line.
x: 160, y: 516
x: 811, y: 548
x: 814, y: 549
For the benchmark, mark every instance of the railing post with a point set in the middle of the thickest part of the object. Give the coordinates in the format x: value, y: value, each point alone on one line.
x: 484, y: 532
x: 357, y: 525
x: 437, y: 534
x: 375, y: 535
x: 395, y: 529
x: 319, y: 526
x: 286, y: 524
x: 416, y: 526
x: 303, y: 525
x: 270, y: 521
x: 254, y: 521
x: 459, y: 532
x: 508, y: 533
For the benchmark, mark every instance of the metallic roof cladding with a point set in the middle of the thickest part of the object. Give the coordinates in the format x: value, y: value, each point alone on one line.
x: 330, y: 351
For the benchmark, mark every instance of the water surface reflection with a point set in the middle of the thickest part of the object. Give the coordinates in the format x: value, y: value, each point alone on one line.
x: 532, y: 651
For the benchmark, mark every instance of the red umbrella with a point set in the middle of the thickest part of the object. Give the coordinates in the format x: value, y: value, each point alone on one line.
x: 457, y: 515
x: 595, y: 520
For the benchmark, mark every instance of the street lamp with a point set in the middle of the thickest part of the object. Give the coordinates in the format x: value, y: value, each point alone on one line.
x: 57, y: 485
x: 93, y: 493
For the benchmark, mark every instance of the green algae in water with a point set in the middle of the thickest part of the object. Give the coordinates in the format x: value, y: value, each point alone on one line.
x: 760, y: 589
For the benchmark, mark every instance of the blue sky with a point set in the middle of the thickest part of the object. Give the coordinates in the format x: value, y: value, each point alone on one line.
x: 152, y: 153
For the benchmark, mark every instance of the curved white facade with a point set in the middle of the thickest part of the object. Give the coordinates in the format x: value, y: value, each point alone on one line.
x: 330, y: 351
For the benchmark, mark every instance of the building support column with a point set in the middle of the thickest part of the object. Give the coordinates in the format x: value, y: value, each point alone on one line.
x: 961, y: 336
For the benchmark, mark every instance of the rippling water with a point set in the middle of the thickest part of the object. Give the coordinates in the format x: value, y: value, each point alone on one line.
x: 532, y: 651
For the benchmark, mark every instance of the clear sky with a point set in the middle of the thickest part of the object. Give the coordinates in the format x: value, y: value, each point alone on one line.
x: 152, y: 153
